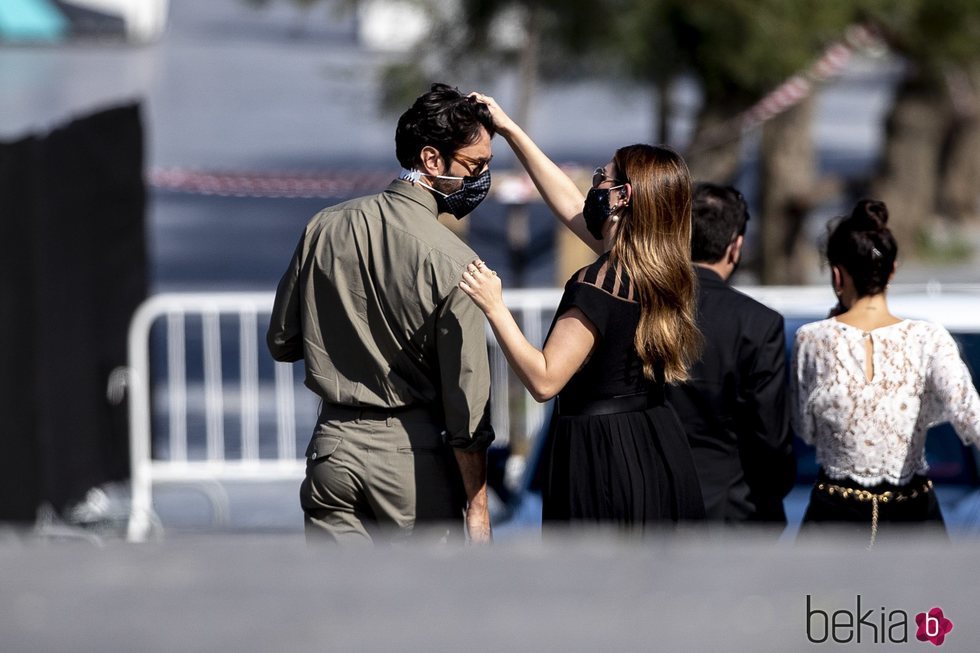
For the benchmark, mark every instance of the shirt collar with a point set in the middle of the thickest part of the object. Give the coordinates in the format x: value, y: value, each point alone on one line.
x: 415, y: 193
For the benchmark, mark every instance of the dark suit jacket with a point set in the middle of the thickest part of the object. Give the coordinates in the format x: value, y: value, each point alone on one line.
x: 734, y: 409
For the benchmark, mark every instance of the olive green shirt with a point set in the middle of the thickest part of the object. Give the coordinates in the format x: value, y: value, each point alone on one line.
x: 370, y: 302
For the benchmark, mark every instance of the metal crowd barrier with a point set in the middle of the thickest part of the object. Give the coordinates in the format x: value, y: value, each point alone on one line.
x: 208, y: 404
x: 212, y: 406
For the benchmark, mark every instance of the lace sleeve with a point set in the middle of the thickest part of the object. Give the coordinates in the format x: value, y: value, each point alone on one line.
x: 801, y: 385
x: 952, y: 391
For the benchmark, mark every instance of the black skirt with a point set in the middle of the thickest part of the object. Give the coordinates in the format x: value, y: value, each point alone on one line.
x: 631, y: 469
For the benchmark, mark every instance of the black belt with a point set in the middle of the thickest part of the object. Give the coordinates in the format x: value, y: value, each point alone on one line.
x: 612, y: 405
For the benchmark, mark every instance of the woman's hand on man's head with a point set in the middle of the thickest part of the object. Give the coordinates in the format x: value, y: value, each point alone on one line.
x: 501, y: 121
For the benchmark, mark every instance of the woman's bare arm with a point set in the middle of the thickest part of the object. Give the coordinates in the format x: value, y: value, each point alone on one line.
x: 543, y: 372
x: 558, y: 190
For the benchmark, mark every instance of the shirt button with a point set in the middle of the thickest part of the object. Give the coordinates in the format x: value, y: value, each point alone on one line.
x: 313, y: 456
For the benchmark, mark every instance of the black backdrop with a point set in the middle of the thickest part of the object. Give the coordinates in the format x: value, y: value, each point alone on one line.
x: 72, y: 271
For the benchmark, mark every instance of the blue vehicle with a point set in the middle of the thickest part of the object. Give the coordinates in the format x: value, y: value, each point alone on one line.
x: 953, y: 465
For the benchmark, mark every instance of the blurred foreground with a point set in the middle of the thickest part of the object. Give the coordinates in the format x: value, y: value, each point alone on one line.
x: 684, y: 593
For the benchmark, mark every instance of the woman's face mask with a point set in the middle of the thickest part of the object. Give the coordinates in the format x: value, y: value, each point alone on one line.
x: 597, y: 210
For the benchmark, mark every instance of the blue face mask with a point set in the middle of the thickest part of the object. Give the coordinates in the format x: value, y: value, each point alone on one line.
x: 460, y: 202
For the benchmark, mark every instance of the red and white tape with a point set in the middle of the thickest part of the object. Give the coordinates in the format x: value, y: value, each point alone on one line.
x: 333, y: 183
x: 508, y: 187
x: 794, y: 90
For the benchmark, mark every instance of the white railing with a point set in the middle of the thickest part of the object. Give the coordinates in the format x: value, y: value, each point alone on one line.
x: 239, y: 416
x: 181, y: 419
x: 954, y: 305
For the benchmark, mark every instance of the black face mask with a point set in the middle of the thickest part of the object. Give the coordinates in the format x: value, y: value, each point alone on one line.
x: 462, y: 202
x: 597, y: 210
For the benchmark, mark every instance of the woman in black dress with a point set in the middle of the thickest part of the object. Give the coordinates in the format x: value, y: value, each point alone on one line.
x: 624, y: 328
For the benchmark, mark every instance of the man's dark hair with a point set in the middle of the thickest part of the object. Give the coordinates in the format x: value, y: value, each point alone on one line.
x: 719, y: 215
x: 443, y: 118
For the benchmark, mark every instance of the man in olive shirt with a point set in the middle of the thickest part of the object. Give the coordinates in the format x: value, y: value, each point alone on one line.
x: 396, y: 352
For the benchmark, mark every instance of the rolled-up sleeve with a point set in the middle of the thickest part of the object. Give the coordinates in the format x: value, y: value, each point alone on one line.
x: 285, y: 335
x: 464, y: 371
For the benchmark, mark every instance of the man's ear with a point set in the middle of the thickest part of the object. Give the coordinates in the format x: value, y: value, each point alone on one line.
x: 735, y: 249
x: 431, y: 161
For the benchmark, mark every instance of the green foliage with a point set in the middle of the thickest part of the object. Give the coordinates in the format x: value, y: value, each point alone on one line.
x: 568, y: 24
x: 739, y: 49
x: 935, y: 33
x: 567, y: 31
x: 476, y: 39
x: 400, y: 85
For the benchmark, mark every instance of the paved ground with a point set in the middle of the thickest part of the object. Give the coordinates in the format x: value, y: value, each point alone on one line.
x: 272, y: 593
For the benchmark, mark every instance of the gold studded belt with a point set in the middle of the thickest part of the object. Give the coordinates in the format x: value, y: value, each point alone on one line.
x: 880, y: 497
x: 888, y: 496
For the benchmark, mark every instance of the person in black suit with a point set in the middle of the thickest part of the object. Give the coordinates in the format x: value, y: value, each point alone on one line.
x: 734, y: 408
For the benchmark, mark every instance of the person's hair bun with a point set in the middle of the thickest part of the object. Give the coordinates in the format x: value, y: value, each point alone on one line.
x: 873, y: 212
x: 863, y: 245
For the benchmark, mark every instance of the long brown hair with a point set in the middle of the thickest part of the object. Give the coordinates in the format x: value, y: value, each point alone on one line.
x: 653, y: 243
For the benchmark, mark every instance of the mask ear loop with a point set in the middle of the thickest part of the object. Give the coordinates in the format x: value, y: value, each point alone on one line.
x: 415, y: 177
x: 410, y: 175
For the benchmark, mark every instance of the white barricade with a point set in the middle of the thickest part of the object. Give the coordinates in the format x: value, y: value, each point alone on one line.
x: 214, y: 407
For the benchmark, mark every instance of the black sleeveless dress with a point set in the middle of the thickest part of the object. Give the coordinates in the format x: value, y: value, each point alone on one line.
x: 617, y: 453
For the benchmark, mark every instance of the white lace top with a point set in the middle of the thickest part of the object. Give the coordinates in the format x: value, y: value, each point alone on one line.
x: 874, y: 431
